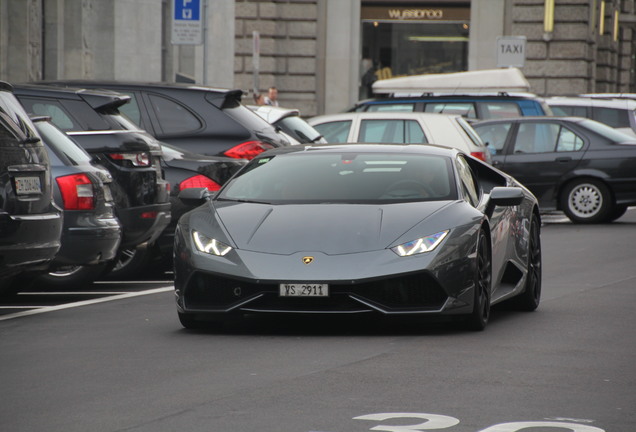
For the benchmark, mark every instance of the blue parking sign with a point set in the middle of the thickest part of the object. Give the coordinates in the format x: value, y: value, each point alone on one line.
x: 187, y: 22
x: 188, y: 10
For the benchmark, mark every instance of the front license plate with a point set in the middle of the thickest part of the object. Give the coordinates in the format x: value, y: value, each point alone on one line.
x: 27, y: 185
x: 304, y: 290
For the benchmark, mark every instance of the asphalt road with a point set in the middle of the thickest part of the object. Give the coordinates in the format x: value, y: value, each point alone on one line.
x: 127, y: 365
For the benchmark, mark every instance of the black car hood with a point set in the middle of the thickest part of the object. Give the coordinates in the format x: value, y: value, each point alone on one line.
x: 328, y: 228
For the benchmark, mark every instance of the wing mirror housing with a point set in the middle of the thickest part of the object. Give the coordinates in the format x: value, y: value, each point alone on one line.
x: 195, y: 196
x: 506, y: 196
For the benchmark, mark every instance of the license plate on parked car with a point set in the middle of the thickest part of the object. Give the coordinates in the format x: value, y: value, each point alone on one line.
x: 304, y: 290
x: 27, y: 185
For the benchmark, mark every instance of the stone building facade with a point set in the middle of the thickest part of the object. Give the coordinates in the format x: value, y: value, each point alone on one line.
x: 311, y: 50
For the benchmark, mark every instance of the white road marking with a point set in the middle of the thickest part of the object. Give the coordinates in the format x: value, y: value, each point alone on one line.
x: 40, y: 310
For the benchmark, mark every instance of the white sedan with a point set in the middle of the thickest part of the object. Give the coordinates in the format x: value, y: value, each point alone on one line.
x: 402, y: 128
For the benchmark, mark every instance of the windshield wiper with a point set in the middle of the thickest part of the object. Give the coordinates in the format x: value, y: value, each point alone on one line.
x: 243, y: 200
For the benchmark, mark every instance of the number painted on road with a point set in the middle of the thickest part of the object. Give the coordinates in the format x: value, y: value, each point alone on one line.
x: 517, y: 426
x: 433, y: 421
x: 437, y: 421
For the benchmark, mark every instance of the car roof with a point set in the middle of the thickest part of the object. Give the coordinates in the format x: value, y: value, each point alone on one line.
x: 526, y: 119
x: 95, y: 98
x: 382, y: 115
x: 426, y: 149
x: 138, y: 84
x: 592, y: 102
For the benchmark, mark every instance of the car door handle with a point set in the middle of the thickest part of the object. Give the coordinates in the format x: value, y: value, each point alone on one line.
x: 563, y: 159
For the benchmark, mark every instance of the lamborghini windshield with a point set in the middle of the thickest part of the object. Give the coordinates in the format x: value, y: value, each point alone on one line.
x: 345, y: 177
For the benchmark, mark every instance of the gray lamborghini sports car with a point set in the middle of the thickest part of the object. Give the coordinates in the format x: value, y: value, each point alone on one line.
x: 359, y: 228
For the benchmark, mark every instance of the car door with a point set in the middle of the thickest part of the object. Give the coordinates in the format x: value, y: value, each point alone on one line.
x: 540, y: 154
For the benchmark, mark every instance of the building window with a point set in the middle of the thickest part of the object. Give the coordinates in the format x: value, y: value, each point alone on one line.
x: 414, y: 39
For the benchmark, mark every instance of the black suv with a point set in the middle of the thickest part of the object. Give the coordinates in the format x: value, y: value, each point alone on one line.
x: 139, y: 189
x: 30, y: 224
x: 199, y: 119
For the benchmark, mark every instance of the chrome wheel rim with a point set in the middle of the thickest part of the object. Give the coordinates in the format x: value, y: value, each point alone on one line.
x: 585, y: 200
x: 66, y: 271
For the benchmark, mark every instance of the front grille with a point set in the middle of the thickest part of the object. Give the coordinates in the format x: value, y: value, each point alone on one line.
x: 405, y: 293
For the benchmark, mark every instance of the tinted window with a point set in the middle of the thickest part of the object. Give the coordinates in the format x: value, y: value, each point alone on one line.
x: 500, y: 110
x: 334, y: 132
x: 343, y: 177
x: 53, y: 109
x: 131, y: 109
x: 468, y: 184
x: 172, y: 116
x: 60, y: 144
x: 465, y: 109
x: 15, y: 116
x: 576, y: 111
x: 394, y: 107
x: 618, y: 118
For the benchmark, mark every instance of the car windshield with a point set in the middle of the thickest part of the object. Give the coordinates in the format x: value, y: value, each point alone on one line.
x: 343, y: 177
x: 606, y: 131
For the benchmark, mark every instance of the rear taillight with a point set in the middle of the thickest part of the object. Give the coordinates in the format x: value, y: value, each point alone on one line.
x: 479, y: 155
x: 248, y: 150
x: 199, y: 181
x: 77, y: 192
x: 140, y: 159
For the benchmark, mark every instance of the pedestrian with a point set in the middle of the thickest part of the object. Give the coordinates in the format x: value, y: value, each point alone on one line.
x: 272, y: 97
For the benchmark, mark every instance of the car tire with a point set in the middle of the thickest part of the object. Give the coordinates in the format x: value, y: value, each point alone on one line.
x: 129, y: 263
x: 586, y: 201
x: 616, y: 213
x: 478, y: 319
x: 529, y: 299
x: 71, y: 276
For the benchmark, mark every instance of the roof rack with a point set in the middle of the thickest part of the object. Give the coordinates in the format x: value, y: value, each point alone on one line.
x: 502, y: 81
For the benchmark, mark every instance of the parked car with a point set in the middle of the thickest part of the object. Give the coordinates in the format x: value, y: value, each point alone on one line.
x: 202, y: 120
x: 30, y: 223
x: 388, y: 229
x: 475, y: 95
x: 289, y: 122
x: 133, y: 158
x: 91, y: 232
x: 577, y: 165
x: 184, y: 170
x: 614, y: 112
x: 402, y: 128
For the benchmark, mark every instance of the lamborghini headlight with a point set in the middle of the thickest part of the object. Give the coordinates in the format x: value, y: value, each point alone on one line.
x: 420, y: 245
x: 210, y: 245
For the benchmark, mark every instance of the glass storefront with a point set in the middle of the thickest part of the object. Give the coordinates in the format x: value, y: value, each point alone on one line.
x: 412, y: 39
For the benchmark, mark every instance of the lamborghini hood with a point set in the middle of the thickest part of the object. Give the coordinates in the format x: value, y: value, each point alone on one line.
x: 327, y: 228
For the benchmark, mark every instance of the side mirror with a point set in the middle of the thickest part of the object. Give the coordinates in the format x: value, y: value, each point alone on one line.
x: 506, y: 196
x: 195, y: 196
